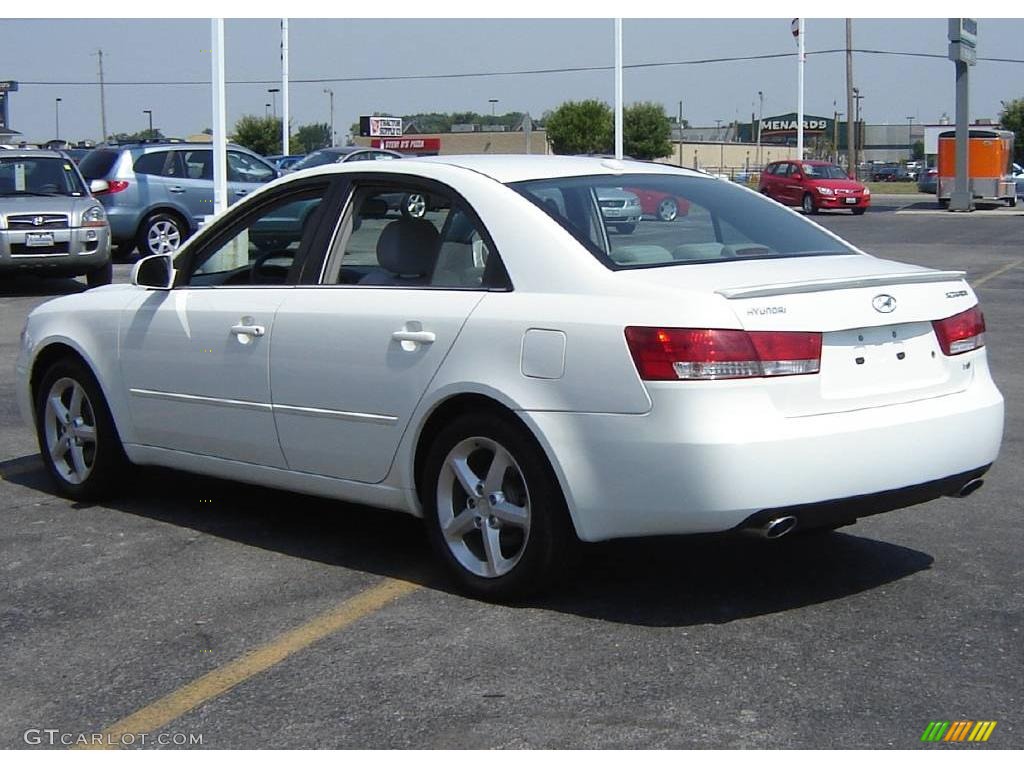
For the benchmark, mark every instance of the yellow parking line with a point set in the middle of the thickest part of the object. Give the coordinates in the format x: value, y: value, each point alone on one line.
x: 223, y: 679
x: 998, y: 272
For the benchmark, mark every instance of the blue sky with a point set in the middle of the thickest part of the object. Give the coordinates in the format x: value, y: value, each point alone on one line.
x: 59, y: 50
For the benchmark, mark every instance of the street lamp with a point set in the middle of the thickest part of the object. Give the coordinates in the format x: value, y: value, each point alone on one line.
x: 266, y: 109
x: 760, y: 119
x: 56, y: 114
x: 273, y: 93
x: 330, y: 92
x: 721, y: 145
x: 149, y: 112
x: 492, y: 102
x: 910, y: 138
x: 856, y: 124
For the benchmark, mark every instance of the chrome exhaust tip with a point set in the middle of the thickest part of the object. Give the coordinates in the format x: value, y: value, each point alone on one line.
x: 969, y: 488
x: 778, y: 527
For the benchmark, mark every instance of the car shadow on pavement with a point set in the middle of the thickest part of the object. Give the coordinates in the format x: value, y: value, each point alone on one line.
x: 669, y: 581
x: 20, y: 286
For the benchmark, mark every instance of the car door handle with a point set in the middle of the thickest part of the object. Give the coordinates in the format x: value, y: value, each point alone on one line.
x: 248, y: 330
x: 419, y: 337
x: 176, y: 189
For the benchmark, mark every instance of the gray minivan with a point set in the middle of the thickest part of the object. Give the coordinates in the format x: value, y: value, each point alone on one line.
x: 157, y: 195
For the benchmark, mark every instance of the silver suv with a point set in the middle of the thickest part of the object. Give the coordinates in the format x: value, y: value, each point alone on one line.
x: 49, y: 223
x: 156, y: 195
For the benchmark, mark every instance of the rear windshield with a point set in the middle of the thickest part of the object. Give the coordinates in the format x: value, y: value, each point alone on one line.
x: 320, y: 157
x: 39, y: 177
x: 651, y: 220
x: 98, y: 163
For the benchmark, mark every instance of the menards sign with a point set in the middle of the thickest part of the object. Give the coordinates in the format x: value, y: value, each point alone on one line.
x: 788, y: 124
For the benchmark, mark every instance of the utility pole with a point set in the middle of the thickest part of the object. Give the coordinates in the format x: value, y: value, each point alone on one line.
x: 103, y: 98
x: 220, y: 177
x: 56, y: 112
x: 284, y: 87
x: 330, y: 92
x: 851, y: 130
x: 680, y: 134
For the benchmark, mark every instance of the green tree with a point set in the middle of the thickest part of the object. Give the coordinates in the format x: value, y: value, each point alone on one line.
x: 260, y: 134
x: 581, y: 127
x: 646, y: 131
x: 1012, y: 119
x: 125, y: 138
x: 918, y: 150
x: 311, y: 137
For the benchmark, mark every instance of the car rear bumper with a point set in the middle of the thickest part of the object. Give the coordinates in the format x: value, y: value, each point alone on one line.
x: 701, y: 462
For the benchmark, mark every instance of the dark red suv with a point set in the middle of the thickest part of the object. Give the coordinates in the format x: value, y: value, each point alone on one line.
x: 813, y: 185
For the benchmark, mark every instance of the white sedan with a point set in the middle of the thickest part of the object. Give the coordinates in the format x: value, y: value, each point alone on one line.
x: 515, y: 370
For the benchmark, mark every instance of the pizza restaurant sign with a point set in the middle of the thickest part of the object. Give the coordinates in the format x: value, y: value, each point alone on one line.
x: 788, y: 124
x: 408, y: 144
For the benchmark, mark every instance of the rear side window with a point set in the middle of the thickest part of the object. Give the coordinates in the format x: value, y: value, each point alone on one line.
x: 98, y: 163
x: 156, y: 164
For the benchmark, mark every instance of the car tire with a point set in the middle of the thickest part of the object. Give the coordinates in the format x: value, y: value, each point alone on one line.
x: 625, y: 229
x: 502, y: 534
x: 807, y: 204
x: 859, y: 211
x: 77, y: 438
x: 415, y: 206
x: 668, y: 209
x: 101, y: 275
x: 123, y: 248
x: 161, y: 233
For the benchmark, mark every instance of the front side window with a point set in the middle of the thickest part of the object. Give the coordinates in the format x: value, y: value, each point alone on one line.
x: 402, y: 236
x: 824, y: 172
x: 248, y: 169
x: 262, y: 248
x: 717, y: 221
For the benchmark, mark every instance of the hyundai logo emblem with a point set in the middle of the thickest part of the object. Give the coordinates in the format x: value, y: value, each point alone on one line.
x: 883, y: 302
x: 39, y: 221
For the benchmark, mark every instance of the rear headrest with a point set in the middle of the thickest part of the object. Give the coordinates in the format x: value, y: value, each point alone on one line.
x: 408, y: 247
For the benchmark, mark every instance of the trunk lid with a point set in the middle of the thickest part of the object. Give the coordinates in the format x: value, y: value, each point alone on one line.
x: 878, y: 344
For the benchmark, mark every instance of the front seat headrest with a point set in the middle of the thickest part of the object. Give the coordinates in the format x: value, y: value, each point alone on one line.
x: 408, y: 247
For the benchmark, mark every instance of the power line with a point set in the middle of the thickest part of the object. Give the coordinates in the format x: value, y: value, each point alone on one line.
x: 505, y: 73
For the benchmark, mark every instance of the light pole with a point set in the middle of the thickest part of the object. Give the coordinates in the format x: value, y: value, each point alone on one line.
x: 266, y: 109
x: 760, y: 118
x: 910, y: 138
x: 492, y: 103
x: 856, y: 123
x: 273, y: 93
x: 149, y: 112
x: 56, y: 115
x: 330, y: 93
x: 721, y: 145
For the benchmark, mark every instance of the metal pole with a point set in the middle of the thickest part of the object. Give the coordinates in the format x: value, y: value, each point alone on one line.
x: 851, y: 138
x: 910, y: 138
x: 618, y: 89
x: 330, y: 93
x: 680, y: 134
x: 56, y: 110
x: 284, y: 87
x: 760, y: 118
x: 961, y: 198
x: 800, y: 94
x: 150, y: 113
x: 103, y: 98
x: 220, y: 176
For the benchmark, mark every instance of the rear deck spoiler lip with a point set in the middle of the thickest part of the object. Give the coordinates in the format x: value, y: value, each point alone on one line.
x: 839, y: 283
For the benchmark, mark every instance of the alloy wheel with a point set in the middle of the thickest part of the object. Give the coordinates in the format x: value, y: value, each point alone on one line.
x: 416, y: 206
x: 668, y: 209
x: 163, y: 237
x: 70, y: 430
x: 483, y: 507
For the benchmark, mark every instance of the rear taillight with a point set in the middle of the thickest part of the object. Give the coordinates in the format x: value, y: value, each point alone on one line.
x: 671, y: 354
x: 961, y: 333
x: 113, y: 187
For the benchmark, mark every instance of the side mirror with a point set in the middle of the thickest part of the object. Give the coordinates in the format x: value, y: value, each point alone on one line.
x: 154, y: 272
x: 98, y: 186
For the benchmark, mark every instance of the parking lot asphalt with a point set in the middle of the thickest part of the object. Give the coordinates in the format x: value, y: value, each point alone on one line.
x: 257, y: 618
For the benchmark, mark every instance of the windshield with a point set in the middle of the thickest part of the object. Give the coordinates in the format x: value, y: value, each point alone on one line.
x: 42, y: 176
x: 824, y: 172
x: 320, y: 157
x: 665, y: 219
